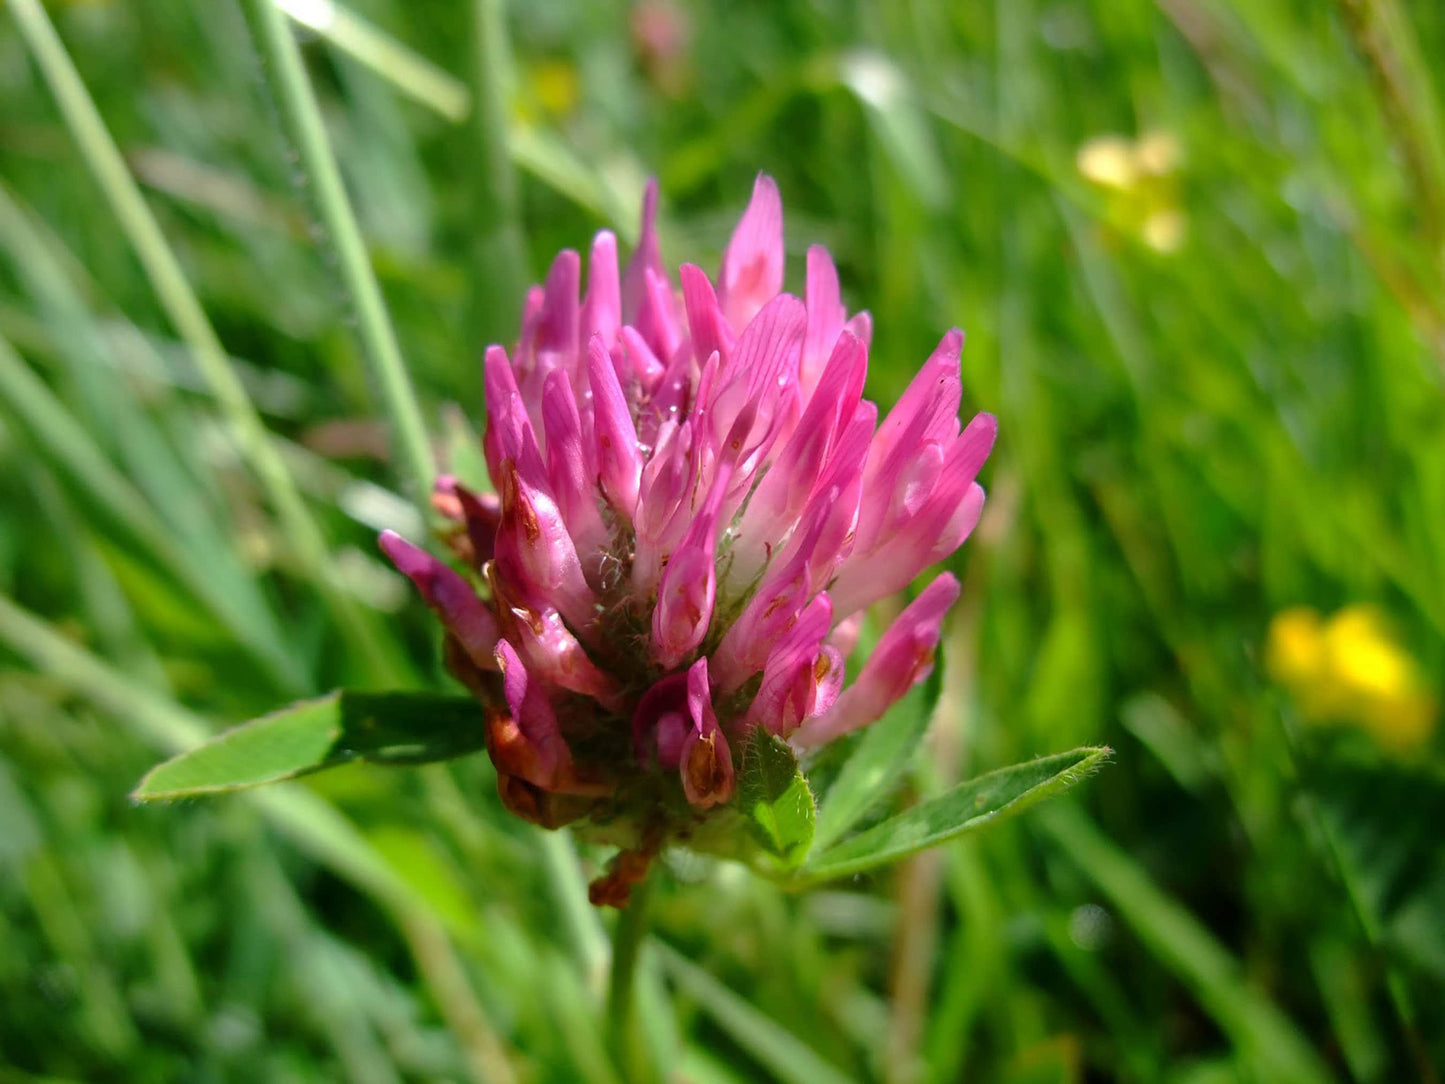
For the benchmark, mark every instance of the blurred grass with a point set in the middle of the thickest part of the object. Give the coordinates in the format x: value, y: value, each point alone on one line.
x: 1200, y: 426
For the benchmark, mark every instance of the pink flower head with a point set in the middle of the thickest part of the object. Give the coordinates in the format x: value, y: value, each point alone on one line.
x: 694, y: 504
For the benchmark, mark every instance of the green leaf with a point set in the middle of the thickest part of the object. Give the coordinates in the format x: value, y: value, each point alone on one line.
x: 776, y: 799
x: 386, y: 728
x: 880, y: 756
x: 966, y: 808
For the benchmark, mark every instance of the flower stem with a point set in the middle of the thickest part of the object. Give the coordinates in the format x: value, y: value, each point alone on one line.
x: 627, y: 940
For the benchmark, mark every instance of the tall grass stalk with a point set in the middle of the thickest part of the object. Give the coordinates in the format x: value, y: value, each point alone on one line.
x: 309, y: 821
x: 69, y: 446
x: 412, y: 74
x: 184, y: 310
x: 499, y: 269
x: 297, y: 100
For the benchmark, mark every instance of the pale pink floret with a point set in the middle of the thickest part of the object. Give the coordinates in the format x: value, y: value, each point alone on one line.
x: 705, y: 760
x: 618, y: 458
x: 903, y: 657
x: 537, y: 750
x: 783, y: 492
x: 668, y: 459
x: 535, y: 554
x: 688, y: 588
x: 555, y: 656
x: 450, y: 596
x: 826, y: 317
x: 602, y: 307
x: 802, y: 675
x: 752, y: 266
x: 571, y: 472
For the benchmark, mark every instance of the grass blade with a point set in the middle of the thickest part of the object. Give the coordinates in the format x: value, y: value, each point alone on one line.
x: 785, y: 1055
x: 69, y: 446
x: 411, y: 73
x: 1250, y: 1019
x: 309, y: 821
x: 499, y: 267
x: 184, y: 310
x: 303, y: 116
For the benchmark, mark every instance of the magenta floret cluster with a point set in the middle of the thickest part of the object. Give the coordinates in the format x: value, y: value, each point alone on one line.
x: 693, y: 507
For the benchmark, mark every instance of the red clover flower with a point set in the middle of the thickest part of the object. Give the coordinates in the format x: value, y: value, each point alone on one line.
x: 694, y: 506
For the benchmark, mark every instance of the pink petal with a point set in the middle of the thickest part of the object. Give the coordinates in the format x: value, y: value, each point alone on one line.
x: 666, y: 486
x: 844, y: 637
x: 826, y: 315
x: 763, y: 622
x: 685, y: 597
x: 532, y: 747
x: 866, y: 578
x: 779, y: 499
x: 903, y: 657
x: 448, y: 595
x: 671, y: 397
x: 509, y: 434
x: 928, y: 407
x: 828, y: 526
x: 554, y: 656
x: 752, y: 264
x: 602, y: 307
x: 554, y: 342
x: 760, y: 374
x: 657, y: 321
x: 688, y: 587
x: 913, y: 513
x: 571, y: 473
x: 790, y: 678
x: 619, y: 462
x: 535, y: 555
x: 644, y: 366
x: 660, y: 722
x: 706, y: 762
x: 646, y: 257
x: 705, y: 322
x: 860, y: 326
x: 531, y: 318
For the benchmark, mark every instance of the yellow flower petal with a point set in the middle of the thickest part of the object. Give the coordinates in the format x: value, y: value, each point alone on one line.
x: 1108, y: 160
x: 1158, y: 153
x: 1163, y: 231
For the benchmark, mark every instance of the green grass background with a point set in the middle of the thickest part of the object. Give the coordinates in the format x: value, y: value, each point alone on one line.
x: 1189, y: 442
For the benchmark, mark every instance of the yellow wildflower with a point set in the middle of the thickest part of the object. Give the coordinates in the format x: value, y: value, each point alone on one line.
x: 1139, y: 176
x: 1295, y: 653
x: 1108, y: 160
x: 556, y: 86
x: 1351, y: 669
